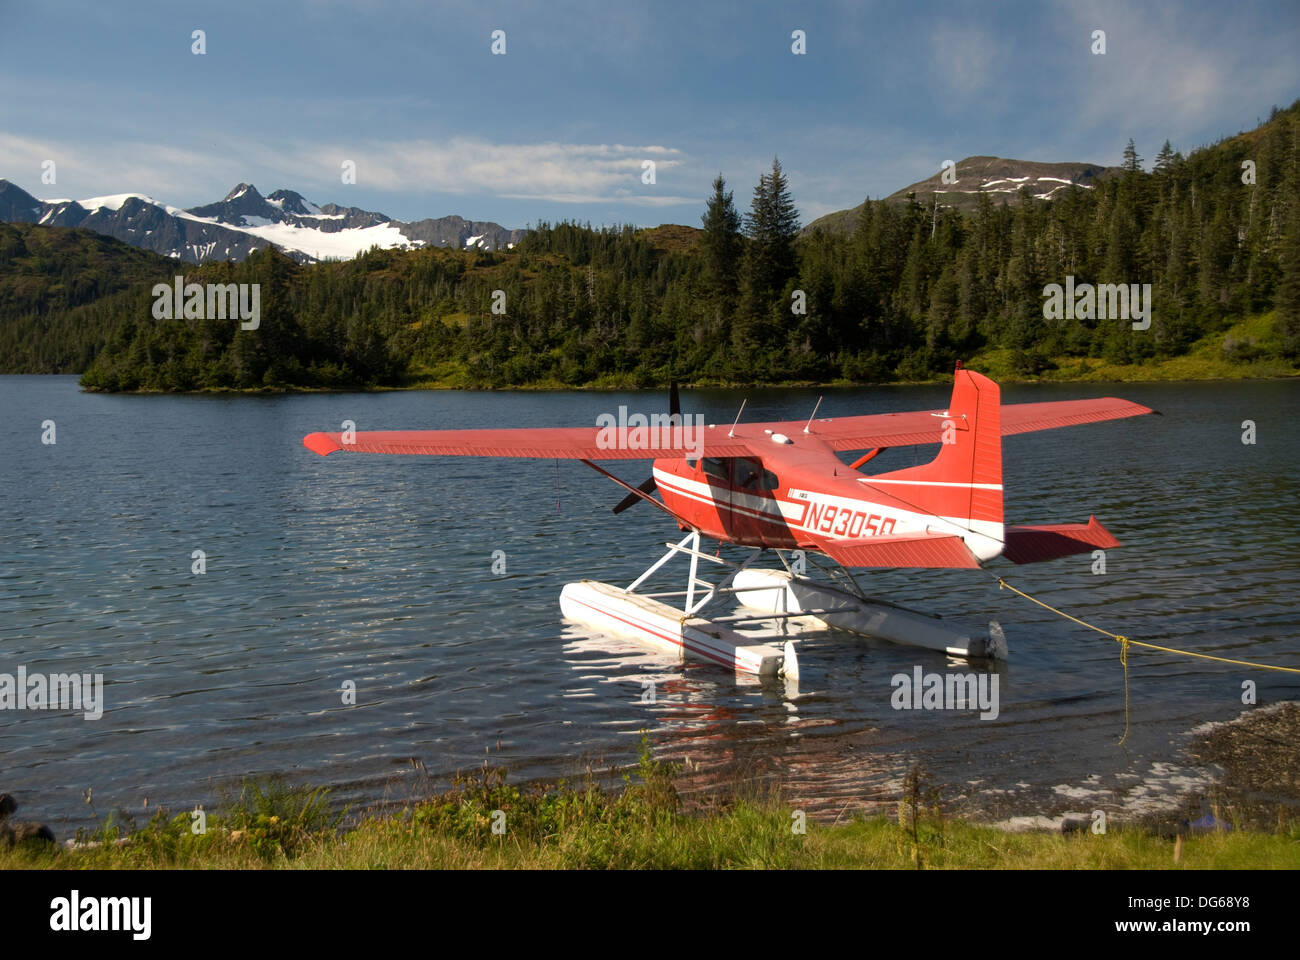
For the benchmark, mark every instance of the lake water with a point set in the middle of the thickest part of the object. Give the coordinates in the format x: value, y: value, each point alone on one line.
x: 378, y: 570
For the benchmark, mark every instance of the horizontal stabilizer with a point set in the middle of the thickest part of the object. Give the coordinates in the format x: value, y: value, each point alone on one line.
x: 1035, y: 544
x: 925, y: 550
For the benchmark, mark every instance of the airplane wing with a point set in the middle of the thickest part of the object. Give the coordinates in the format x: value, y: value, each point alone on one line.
x: 585, y: 443
x: 922, y: 550
x: 571, y: 443
x: 925, y: 426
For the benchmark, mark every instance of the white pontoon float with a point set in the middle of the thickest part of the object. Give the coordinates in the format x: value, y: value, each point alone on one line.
x: 767, y: 595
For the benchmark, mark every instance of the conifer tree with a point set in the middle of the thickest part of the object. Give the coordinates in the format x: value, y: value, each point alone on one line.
x: 1132, y: 162
x: 771, y: 225
x: 1164, y: 159
x: 721, y: 244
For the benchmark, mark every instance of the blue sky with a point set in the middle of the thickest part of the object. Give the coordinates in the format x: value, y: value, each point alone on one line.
x: 558, y: 127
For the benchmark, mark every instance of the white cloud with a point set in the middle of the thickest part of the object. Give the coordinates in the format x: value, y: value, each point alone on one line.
x: 560, y: 172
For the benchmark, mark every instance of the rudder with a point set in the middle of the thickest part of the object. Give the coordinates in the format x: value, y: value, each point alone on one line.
x: 963, y: 483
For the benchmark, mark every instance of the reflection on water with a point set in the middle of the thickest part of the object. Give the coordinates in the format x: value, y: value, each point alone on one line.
x: 377, y: 570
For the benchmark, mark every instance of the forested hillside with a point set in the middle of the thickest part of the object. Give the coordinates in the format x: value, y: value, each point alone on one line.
x: 911, y: 290
x: 62, y: 292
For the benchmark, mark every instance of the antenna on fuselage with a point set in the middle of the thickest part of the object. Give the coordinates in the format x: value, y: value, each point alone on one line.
x: 732, y: 431
x: 814, y: 413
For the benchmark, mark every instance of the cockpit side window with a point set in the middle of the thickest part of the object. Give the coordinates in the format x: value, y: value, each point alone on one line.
x: 717, y: 468
x: 745, y: 474
x: 749, y: 474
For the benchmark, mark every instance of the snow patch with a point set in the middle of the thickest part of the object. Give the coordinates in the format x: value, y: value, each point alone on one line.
x: 344, y: 244
x: 114, y: 202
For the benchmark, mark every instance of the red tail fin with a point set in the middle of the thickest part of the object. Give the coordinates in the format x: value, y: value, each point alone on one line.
x: 963, y: 483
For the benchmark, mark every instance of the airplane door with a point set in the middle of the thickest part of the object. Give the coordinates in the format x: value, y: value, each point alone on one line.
x: 748, y: 499
x: 716, y: 472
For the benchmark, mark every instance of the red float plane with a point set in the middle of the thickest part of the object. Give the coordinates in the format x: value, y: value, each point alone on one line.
x: 781, y: 487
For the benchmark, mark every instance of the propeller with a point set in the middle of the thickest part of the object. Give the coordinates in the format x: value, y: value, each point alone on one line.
x: 648, y: 485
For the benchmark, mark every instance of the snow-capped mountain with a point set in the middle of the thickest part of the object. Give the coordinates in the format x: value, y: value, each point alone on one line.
x: 244, y: 221
x: 1003, y: 178
x: 961, y: 185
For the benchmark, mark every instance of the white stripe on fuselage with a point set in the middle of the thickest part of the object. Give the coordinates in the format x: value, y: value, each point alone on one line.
x: 872, y: 481
x: 983, y: 537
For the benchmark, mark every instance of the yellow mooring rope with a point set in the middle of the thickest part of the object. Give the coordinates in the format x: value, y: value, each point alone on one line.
x: 1125, y: 643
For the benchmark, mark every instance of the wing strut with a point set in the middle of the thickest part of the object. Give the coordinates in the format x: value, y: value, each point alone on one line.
x: 631, y: 489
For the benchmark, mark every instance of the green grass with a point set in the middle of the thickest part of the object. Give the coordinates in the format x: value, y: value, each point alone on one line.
x: 643, y: 825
